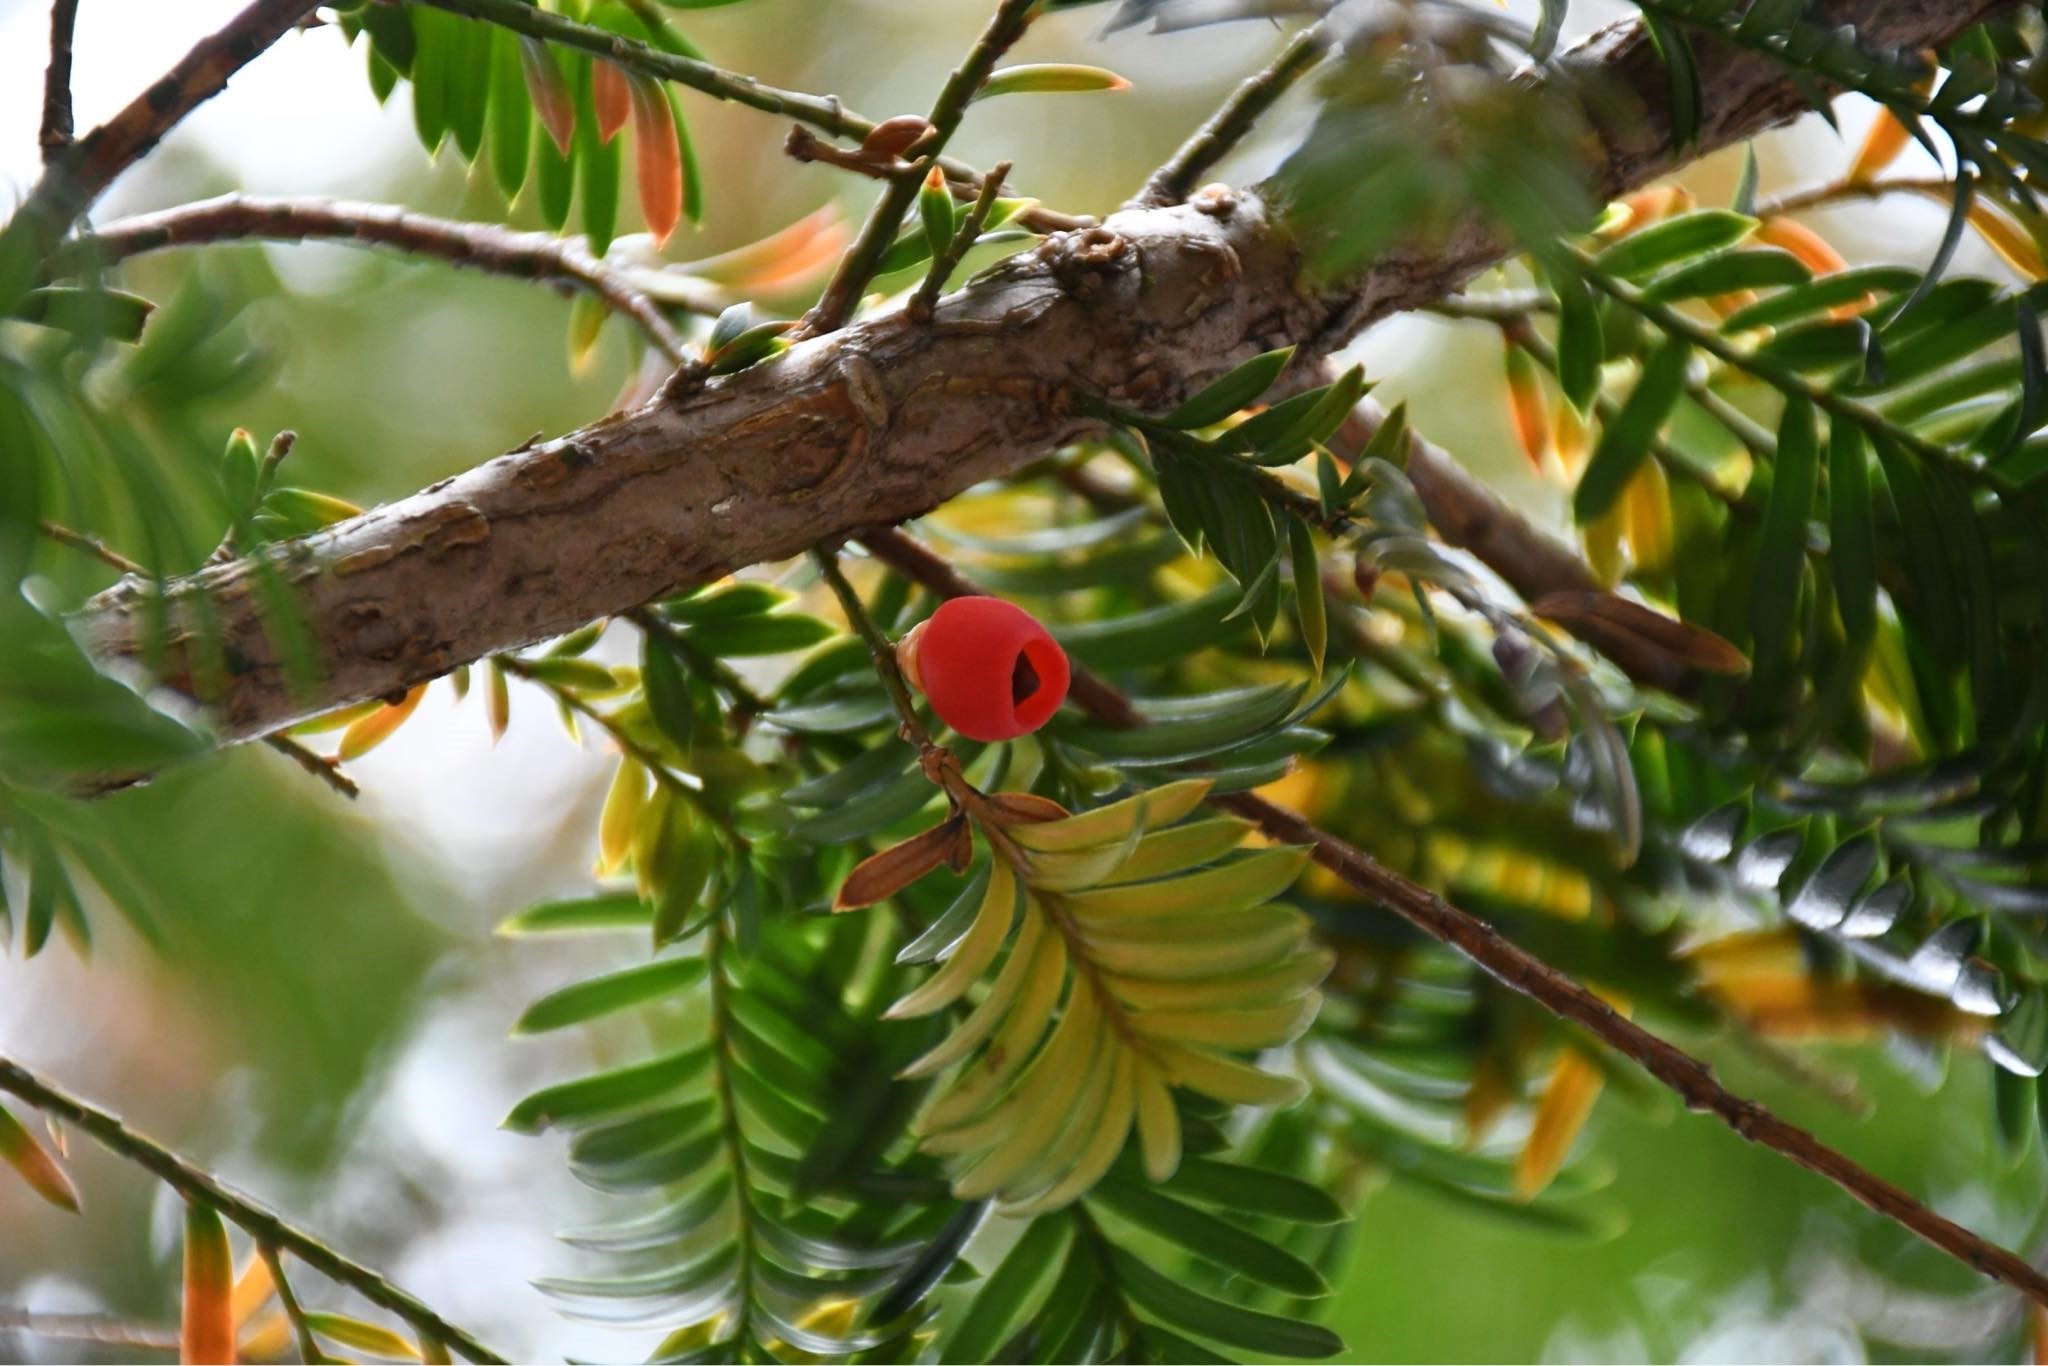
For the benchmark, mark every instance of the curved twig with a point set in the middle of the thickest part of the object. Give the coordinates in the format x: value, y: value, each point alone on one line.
x: 56, y: 130
x: 74, y: 179
x: 1691, y: 1079
x: 268, y: 1229
x: 1227, y: 127
x: 483, y: 246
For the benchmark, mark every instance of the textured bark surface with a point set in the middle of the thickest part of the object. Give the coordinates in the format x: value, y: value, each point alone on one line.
x: 875, y: 423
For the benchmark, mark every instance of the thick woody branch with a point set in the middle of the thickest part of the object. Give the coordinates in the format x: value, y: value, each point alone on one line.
x: 879, y: 421
x: 267, y: 1228
x: 481, y: 246
x: 1692, y: 1080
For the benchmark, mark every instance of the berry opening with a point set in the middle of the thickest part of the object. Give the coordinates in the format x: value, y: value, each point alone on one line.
x: 1023, y: 680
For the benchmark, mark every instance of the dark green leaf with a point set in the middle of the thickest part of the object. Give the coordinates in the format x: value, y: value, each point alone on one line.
x: 1626, y: 441
x: 614, y: 991
x: 1580, y: 348
x: 1002, y: 1297
x: 605, y: 1093
x: 1227, y: 1323
x: 1853, y: 561
x: 618, y: 911
x: 1236, y: 389
x: 1211, y: 1238
x: 1673, y: 241
x: 1781, y: 554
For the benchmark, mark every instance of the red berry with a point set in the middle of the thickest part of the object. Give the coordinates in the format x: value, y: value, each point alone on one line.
x: 991, y: 671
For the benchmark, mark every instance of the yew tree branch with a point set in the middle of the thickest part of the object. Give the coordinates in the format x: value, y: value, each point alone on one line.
x: 77, y: 177
x: 1229, y: 125
x: 267, y: 1228
x: 823, y: 112
x: 843, y: 291
x: 483, y: 246
x: 879, y: 421
x: 1514, y: 967
x: 56, y: 130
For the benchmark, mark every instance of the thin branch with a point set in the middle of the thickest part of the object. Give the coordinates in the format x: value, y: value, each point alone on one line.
x: 309, y: 1346
x: 1508, y: 309
x: 864, y: 257
x: 722, y: 675
x: 1674, y: 323
x: 319, y: 765
x: 483, y: 246
x: 90, y: 545
x: 77, y: 177
x: 1939, y: 188
x: 267, y: 1228
x: 823, y: 112
x: 1519, y: 331
x: 879, y: 649
x: 1692, y: 1080
x: 804, y: 145
x: 964, y: 238
x: 1227, y: 127
x: 56, y: 132
x: 105, y: 1329
x: 820, y: 111
x: 632, y: 748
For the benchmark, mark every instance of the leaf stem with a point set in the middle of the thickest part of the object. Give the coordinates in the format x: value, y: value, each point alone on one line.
x: 267, y: 1228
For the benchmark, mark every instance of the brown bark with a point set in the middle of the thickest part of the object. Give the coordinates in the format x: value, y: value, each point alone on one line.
x: 874, y: 423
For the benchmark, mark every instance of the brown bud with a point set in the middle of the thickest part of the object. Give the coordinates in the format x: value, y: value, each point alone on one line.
x: 891, y: 138
x: 1367, y: 578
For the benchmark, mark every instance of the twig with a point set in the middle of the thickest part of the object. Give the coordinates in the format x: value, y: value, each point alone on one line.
x: 319, y: 765
x: 1520, y: 332
x: 309, y: 1346
x: 1692, y: 1080
x: 823, y: 112
x: 648, y: 759
x: 91, y: 545
x: 969, y: 231
x: 858, y: 266
x: 1834, y: 192
x: 195, y: 1183
x: 879, y: 648
x: 804, y: 145
x: 1227, y: 127
x: 105, y: 1329
x: 484, y: 246
x: 56, y: 132
x: 78, y: 176
x: 722, y: 675
x: 1674, y: 323
x: 1505, y: 310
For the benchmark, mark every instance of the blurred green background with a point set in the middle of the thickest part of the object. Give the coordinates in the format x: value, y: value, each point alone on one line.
x: 322, y: 1016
